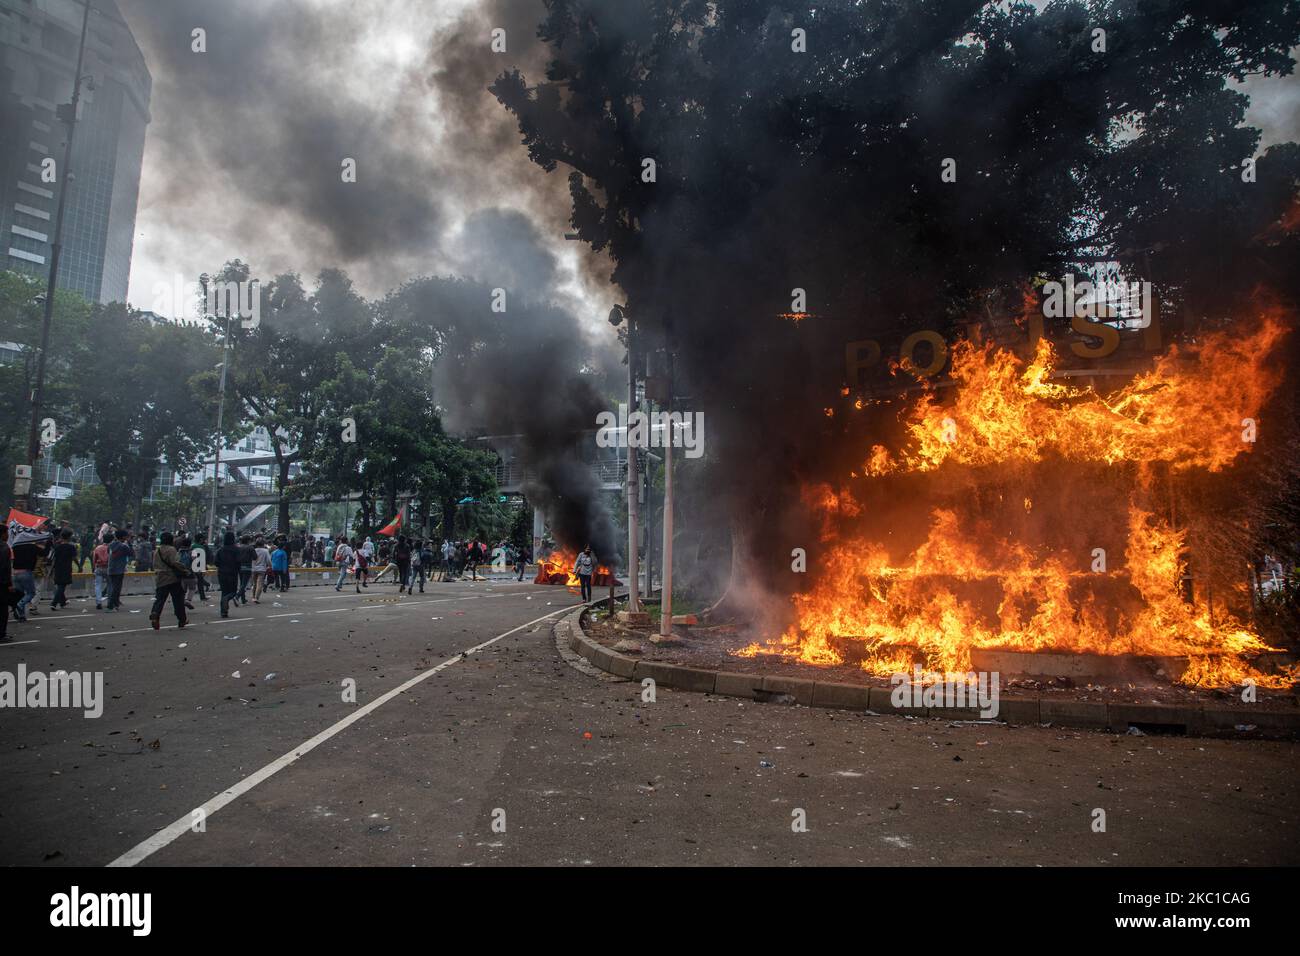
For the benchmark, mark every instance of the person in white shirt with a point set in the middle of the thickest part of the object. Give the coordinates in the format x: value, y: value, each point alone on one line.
x: 343, y: 558
x: 584, y: 567
x: 261, y: 565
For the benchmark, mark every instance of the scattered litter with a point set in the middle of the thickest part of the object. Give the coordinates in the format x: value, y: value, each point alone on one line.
x: 276, y: 604
x: 981, y: 743
x: 294, y: 620
x: 135, y: 612
x: 847, y: 773
x: 246, y: 661
x: 766, y: 765
x: 586, y: 735
x: 235, y: 674
x: 270, y: 676
x: 1245, y: 727
x: 1136, y: 732
x: 229, y: 638
x: 182, y: 645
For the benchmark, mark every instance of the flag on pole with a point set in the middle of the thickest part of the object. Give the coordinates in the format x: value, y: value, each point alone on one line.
x: 24, y: 519
x: 24, y: 528
x: 395, y: 525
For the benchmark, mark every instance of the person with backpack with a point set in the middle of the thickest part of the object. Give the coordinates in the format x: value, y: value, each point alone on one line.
x: 521, y: 562
x: 471, y: 559
x: 185, y: 551
x: 168, y: 575
x: 421, y: 558
x: 362, y: 565
x: 261, y: 568
x: 584, y: 567
x: 342, y: 556
x: 99, y: 565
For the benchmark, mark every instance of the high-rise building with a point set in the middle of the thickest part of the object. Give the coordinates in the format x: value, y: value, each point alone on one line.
x: 38, y: 60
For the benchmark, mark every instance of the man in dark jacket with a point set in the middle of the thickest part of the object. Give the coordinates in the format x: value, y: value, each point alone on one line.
x: 119, y: 553
x: 246, y: 555
x: 65, y: 552
x: 88, y: 544
x: 228, y: 561
x: 169, y: 577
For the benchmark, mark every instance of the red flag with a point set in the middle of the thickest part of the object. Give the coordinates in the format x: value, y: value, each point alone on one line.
x: 394, y: 526
x: 24, y: 519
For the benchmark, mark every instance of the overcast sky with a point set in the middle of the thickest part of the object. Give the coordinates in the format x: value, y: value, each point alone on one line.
x: 243, y: 157
x: 244, y: 153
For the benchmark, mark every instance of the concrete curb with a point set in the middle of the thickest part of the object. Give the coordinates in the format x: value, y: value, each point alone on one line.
x: 1196, y: 720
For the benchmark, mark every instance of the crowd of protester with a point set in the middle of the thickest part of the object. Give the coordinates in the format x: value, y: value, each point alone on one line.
x: 36, y: 563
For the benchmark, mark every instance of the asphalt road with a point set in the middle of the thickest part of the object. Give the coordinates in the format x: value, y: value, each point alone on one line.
x: 511, y: 755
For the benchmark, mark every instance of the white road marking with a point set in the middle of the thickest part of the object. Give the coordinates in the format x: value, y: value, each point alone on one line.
x: 170, y: 833
x: 16, y: 643
x: 231, y: 620
x: 166, y: 627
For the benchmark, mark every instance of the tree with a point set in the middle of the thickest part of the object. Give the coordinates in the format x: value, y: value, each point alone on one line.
x: 87, y: 508
x: 21, y: 317
x: 278, y: 367
x: 141, y: 402
x: 397, y: 444
x: 824, y: 171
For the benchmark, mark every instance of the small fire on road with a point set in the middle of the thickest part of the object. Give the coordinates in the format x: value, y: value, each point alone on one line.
x: 558, y: 569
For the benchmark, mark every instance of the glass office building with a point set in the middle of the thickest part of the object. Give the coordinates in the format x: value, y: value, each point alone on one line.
x: 38, y: 57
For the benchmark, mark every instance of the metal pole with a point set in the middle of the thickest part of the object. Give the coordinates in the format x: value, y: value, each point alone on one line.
x: 221, y: 409
x: 633, y: 507
x: 56, y: 248
x: 666, y: 585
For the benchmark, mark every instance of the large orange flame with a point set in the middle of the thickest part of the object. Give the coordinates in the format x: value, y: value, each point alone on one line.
x: 968, y: 585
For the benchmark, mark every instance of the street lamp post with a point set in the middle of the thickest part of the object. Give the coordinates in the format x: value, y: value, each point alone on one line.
x: 56, y: 248
x: 666, y: 584
x: 616, y: 316
x: 221, y: 410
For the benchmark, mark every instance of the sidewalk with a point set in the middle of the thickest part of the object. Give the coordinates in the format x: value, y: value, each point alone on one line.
x: 699, y: 664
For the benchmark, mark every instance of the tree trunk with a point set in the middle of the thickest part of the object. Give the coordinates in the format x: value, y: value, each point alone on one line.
x: 282, y: 513
x: 449, y: 519
x: 116, y: 504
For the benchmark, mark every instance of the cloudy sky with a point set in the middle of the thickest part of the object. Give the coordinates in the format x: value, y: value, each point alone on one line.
x: 244, y: 153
